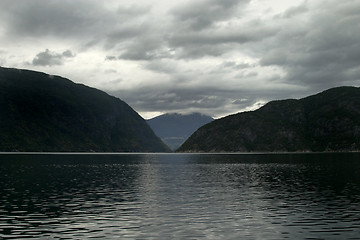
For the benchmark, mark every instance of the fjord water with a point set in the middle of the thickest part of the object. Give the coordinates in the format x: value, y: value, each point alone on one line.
x: 180, y: 196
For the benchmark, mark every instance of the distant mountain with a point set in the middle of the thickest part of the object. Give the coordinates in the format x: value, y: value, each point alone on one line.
x: 40, y: 112
x: 175, y: 128
x: 328, y: 121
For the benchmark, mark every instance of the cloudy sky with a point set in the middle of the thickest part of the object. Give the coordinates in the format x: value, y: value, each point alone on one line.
x: 216, y: 57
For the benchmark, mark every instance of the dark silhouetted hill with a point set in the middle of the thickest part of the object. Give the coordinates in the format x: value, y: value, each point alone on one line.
x: 39, y: 112
x: 328, y: 121
x: 175, y: 128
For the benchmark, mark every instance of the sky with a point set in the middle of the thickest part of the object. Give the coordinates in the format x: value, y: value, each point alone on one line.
x: 215, y: 57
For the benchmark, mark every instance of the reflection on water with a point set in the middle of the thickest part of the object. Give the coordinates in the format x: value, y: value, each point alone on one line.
x: 181, y: 196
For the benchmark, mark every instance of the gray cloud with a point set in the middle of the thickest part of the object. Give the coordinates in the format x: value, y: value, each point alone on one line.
x: 162, y: 66
x: 89, y: 22
x: 212, y: 56
x: 111, y: 58
x: 146, y: 48
x: 2, y: 60
x: 321, y: 53
x: 38, y: 18
x: 198, y: 29
x: 208, y: 99
x: 180, y: 37
x: 48, y: 58
x: 293, y: 11
x: 131, y: 11
x: 235, y: 65
x: 127, y: 33
x: 198, y: 15
x: 175, y: 100
x: 217, y: 42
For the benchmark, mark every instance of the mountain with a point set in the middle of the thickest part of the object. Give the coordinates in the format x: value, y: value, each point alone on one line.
x: 40, y: 112
x: 328, y: 121
x: 175, y: 128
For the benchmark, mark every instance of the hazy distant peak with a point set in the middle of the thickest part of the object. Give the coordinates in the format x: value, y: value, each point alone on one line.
x: 182, y: 116
x: 175, y: 128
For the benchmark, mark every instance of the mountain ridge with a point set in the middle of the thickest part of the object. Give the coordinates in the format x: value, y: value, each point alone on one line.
x: 41, y: 112
x: 327, y: 121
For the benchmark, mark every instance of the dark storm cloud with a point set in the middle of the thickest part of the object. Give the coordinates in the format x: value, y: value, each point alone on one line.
x: 207, y: 100
x: 175, y: 100
x: 321, y: 53
x: 2, y: 59
x: 111, y: 58
x: 316, y: 48
x: 235, y: 65
x: 201, y: 14
x: 88, y: 22
x: 214, y: 56
x: 131, y: 11
x: 146, y: 48
x: 293, y: 11
x: 37, y: 18
x: 189, y: 34
x: 48, y: 58
x: 161, y: 66
x: 196, y: 32
x: 126, y: 33
x: 219, y: 41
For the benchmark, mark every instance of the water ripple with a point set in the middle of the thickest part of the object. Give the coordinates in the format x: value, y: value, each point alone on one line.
x: 180, y: 196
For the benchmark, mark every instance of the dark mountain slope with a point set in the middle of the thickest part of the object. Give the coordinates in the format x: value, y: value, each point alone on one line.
x: 328, y: 121
x: 39, y: 112
x: 175, y: 128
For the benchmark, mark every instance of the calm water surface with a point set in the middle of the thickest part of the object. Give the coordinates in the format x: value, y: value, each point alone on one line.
x: 180, y: 196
